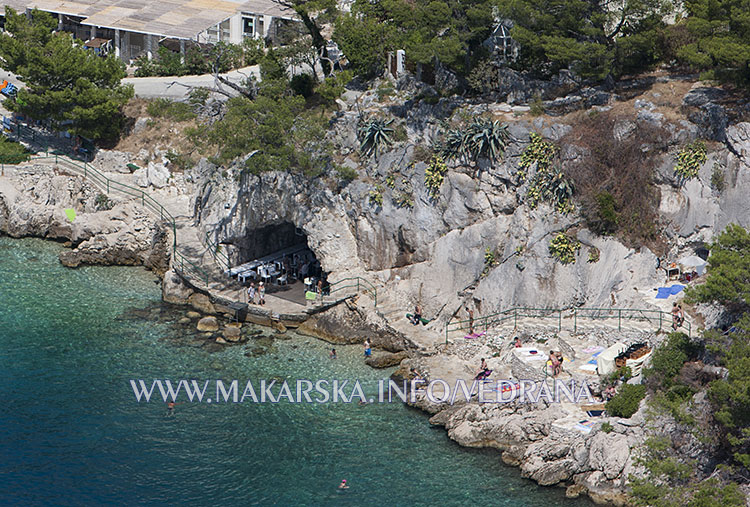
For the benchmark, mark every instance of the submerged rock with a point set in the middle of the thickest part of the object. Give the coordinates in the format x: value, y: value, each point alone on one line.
x: 208, y: 324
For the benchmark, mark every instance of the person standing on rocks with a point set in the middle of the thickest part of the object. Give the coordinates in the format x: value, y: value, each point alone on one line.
x: 251, y: 293
x: 368, y: 349
x: 471, y: 319
x: 261, y: 294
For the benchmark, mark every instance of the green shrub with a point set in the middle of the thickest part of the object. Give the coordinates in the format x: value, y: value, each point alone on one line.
x: 536, y: 106
x: 384, y: 91
x: 404, y: 200
x: 103, y: 202
x: 376, y: 196
x: 332, y: 87
x: 607, y: 428
x: 198, y: 96
x: 548, y: 185
x: 625, y: 403
x: 538, y: 151
x: 12, y: 152
x: 180, y: 161
x: 302, y: 84
x: 252, y: 50
x: 434, y: 175
x: 165, y: 108
x: 564, y: 248
x: 490, y: 260
x: 717, y: 177
x: 594, y: 255
x: 690, y: 159
x: 667, y: 360
x: 606, y: 214
x: 346, y: 174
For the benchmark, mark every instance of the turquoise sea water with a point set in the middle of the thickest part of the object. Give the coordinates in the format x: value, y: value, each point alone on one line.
x: 72, y: 433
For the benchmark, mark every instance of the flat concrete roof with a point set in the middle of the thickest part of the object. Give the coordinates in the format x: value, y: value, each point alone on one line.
x: 182, y: 19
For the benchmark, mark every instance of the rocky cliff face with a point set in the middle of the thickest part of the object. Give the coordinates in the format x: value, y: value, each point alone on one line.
x: 432, y: 250
x: 33, y: 200
x: 386, y: 226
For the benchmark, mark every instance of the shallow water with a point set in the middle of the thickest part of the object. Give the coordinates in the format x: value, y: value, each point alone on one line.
x: 71, y: 431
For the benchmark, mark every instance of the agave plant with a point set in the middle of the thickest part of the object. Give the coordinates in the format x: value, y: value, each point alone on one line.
x: 486, y: 139
x: 373, y: 135
x: 453, y: 145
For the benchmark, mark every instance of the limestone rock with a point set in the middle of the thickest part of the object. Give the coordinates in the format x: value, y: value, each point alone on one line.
x: 201, y: 302
x: 232, y: 334
x: 609, y: 453
x: 112, y: 161
x: 141, y: 124
x: 193, y: 315
x: 173, y: 289
x: 156, y: 175
x: 385, y: 359
x: 209, y: 324
x: 221, y: 340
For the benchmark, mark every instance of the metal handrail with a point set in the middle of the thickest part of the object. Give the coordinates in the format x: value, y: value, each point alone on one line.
x: 109, y: 185
x: 358, y: 283
x: 487, y: 321
x: 221, y: 257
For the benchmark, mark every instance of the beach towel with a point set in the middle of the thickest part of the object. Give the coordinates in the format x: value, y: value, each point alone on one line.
x: 588, y: 367
x: 663, y: 292
x: 595, y: 413
x: 506, y: 388
x: 676, y: 288
x: 70, y: 213
x: 594, y: 350
x: 593, y: 361
x: 583, y: 429
x: 474, y: 335
x: 310, y: 296
x: 421, y: 319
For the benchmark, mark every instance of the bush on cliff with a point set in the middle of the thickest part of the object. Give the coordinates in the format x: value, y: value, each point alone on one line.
x: 626, y: 402
x: 614, y: 178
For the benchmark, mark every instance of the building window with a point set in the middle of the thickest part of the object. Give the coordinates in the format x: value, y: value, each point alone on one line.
x: 248, y: 26
x: 225, y: 33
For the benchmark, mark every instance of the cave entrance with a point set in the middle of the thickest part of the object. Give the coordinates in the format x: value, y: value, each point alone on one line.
x: 278, y: 256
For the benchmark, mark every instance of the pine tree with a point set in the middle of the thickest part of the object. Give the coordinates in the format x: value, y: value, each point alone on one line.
x: 64, y: 83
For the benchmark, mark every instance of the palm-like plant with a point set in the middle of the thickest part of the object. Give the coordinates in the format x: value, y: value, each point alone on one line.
x: 373, y: 135
x: 453, y: 145
x: 486, y: 139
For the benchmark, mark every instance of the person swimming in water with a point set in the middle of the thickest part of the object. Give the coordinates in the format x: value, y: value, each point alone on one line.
x: 170, y: 408
x: 332, y: 355
x: 343, y: 484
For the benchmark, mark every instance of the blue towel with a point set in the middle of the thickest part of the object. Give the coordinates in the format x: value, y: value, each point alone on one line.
x: 663, y: 292
x: 593, y: 361
x: 675, y: 289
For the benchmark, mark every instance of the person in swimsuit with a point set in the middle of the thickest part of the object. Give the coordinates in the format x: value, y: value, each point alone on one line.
x: 368, y: 349
x: 332, y: 355
x: 343, y: 484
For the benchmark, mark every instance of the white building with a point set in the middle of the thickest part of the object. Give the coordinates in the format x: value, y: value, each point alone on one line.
x: 136, y: 27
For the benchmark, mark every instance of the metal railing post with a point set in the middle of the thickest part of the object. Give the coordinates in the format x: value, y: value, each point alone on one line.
x: 559, y: 321
x: 515, y: 317
x: 619, y: 320
x: 659, y: 321
x: 575, y: 320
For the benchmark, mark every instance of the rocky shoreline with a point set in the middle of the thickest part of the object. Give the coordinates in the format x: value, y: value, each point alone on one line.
x: 431, y: 250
